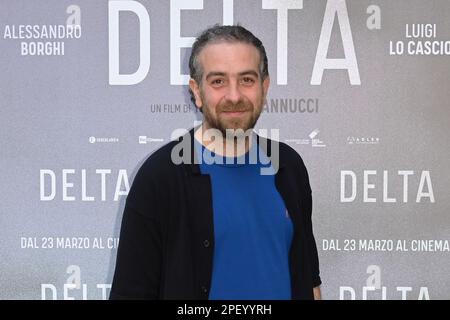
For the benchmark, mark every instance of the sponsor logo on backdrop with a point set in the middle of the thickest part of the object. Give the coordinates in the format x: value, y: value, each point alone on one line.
x: 45, y: 39
x: 313, y: 140
x: 374, y: 290
x: 362, y: 140
x: 145, y: 139
x: 102, y: 140
x: 74, y: 288
x: 385, y: 186
x: 421, y: 40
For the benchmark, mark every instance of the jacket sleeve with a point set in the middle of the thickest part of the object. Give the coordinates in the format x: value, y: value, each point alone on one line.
x: 139, y: 255
x: 311, y: 242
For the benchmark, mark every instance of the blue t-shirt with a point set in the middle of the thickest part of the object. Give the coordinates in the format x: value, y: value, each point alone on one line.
x: 252, y: 229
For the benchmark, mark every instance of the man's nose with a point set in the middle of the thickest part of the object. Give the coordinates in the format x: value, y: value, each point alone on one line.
x: 234, y: 94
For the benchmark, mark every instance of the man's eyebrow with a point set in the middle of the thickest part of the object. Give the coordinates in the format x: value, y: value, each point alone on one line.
x: 243, y: 73
x: 214, y: 73
x: 249, y: 72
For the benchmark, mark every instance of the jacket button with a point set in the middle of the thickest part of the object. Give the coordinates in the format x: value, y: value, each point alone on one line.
x: 206, y: 243
x: 204, y: 289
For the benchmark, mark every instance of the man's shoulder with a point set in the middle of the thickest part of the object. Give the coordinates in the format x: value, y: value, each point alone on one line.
x: 159, y: 161
x: 154, y: 175
x: 293, y: 163
x: 151, y: 182
x: 167, y: 159
x: 288, y: 155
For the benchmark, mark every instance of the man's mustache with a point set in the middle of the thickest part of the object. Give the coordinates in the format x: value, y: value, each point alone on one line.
x: 235, y: 107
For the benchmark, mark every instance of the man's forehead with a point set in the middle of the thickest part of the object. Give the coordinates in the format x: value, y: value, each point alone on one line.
x: 228, y: 50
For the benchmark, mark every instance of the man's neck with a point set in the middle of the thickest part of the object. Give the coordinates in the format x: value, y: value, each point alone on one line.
x: 220, y: 145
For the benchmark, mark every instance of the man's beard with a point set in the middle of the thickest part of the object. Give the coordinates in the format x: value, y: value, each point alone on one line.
x: 224, y: 123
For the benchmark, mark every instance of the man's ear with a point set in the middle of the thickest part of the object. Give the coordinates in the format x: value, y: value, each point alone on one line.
x: 193, y: 85
x: 265, y: 85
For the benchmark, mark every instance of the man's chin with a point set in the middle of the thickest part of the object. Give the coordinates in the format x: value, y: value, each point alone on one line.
x: 236, y: 128
x: 237, y: 124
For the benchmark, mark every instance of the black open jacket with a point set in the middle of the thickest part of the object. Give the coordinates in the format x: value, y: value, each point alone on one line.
x: 167, y: 235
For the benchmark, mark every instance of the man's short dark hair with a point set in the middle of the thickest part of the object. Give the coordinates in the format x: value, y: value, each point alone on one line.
x: 219, y: 33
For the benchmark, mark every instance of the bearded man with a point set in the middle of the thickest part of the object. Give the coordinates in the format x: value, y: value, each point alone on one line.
x: 220, y: 213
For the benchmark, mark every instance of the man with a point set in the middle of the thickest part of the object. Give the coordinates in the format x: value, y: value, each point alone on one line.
x: 201, y: 220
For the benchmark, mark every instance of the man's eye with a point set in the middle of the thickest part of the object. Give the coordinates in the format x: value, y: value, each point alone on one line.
x: 217, y: 81
x: 248, y: 80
